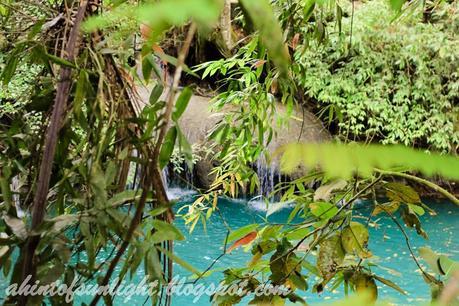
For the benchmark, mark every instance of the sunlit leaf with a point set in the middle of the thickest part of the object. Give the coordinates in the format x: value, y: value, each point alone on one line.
x: 344, y: 160
x: 355, y: 238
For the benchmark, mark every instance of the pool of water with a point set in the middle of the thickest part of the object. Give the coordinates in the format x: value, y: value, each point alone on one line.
x: 386, y: 243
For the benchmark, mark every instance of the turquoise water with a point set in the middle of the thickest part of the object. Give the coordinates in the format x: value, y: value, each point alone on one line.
x: 386, y: 243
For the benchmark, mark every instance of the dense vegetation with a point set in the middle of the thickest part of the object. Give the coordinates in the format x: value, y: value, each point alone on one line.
x: 397, y: 83
x: 81, y: 156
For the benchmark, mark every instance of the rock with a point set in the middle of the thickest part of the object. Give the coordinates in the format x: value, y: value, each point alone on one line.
x: 198, y: 120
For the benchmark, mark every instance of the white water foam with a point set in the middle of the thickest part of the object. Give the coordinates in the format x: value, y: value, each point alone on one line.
x: 176, y: 193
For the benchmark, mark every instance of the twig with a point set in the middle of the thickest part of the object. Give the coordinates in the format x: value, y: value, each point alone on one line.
x: 171, y: 97
x: 408, y: 244
x: 151, y: 178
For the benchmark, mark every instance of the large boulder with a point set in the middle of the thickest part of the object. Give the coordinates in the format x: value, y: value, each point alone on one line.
x: 198, y: 120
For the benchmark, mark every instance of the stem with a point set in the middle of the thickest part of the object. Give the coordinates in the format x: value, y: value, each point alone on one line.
x: 171, y: 97
x: 44, y: 177
x: 132, y: 227
x: 154, y: 177
x: 425, y: 182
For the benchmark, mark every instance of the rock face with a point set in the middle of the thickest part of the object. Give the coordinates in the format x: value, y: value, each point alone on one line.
x: 198, y: 120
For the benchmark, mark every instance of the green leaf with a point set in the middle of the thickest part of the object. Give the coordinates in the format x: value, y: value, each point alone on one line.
x: 124, y: 197
x: 297, y: 233
x: 182, y: 102
x: 168, y: 147
x: 417, y: 209
x: 298, y: 280
x: 180, y: 261
x: 10, y: 68
x: 397, y: 5
x: 323, y: 210
x: 60, y: 61
x: 339, y: 18
x: 412, y: 220
x: 401, y: 193
x: 390, y: 207
x: 330, y: 256
x: 80, y: 91
x: 309, y: 9
x: 153, y: 265
x: 165, y: 231
x: 147, y: 67
x: 185, y: 147
x: 390, y: 284
x: 340, y: 160
x: 173, y: 61
x: 354, y: 239
x: 156, y: 93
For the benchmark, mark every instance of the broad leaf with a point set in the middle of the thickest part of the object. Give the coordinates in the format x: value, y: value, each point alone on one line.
x: 355, y: 239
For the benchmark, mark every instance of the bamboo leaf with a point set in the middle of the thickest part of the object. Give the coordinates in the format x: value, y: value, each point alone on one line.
x: 182, y: 103
x: 168, y: 147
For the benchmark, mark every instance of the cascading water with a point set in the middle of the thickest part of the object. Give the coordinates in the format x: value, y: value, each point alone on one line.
x: 267, y: 176
x: 165, y: 177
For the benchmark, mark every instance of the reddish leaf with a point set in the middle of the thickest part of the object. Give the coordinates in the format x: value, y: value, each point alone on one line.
x: 145, y: 31
x: 243, y: 241
x: 259, y: 63
x: 295, y: 41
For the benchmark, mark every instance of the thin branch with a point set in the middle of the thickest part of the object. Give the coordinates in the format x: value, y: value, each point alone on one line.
x: 171, y: 97
x: 408, y: 244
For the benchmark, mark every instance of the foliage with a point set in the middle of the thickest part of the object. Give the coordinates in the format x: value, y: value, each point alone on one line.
x: 251, y: 82
x: 282, y: 252
x: 64, y: 193
x: 397, y: 82
x: 62, y: 209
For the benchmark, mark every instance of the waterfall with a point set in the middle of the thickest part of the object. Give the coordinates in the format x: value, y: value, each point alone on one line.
x: 267, y: 176
x: 165, y: 177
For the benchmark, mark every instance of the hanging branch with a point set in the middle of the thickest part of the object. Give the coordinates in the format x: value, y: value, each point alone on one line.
x: 154, y: 177
x: 51, y: 138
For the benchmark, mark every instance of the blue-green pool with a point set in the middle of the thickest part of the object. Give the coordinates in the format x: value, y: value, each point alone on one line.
x: 386, y: 243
